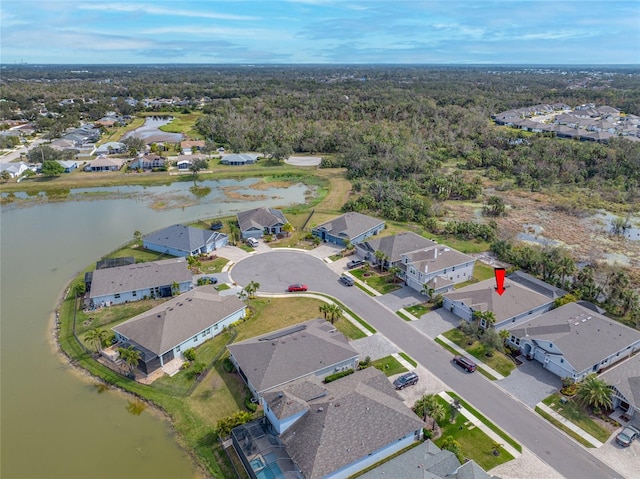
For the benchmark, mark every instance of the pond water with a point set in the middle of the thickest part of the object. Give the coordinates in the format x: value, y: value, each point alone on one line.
x: 603, y: 221
x: 533, y: 234
x: 149, y: 132
x: 55, y: 425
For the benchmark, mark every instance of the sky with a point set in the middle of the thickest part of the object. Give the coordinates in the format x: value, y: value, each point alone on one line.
x: 541, y: 32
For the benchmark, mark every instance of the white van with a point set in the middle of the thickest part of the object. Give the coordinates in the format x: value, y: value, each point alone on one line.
x: 252, y: 242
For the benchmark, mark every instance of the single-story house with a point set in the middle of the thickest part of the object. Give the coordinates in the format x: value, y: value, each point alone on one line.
x: 188, y: 146
x: 257, y: 222
x: 439, y: 266
x: 184, y: 164
x: 624, y: 380
x: 393, y: 247
x: 351, y: 227
x: 14, y: 169
x: 148, y: 162
x: 327, y: 431
x: 112, y: 147
x: 166, y: 331
x: 427, y: 461
x: 238, y: 159
x: 138, y: 281
x: 267, y: 362
x: 103, y: 163
x: 574, y: 341
x: 68, y: 165
x: 180, y: 240
x: 517, y: 304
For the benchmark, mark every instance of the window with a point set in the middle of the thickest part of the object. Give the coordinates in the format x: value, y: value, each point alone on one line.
x: 117, y: 295
x: 412, y: 270
x: 177, y: 349
x: 204, y: 335
x: 195, y: 338
x: 207, y: 331
x: 215, y: 326
x: 561, y: 360
x: 134, y: 293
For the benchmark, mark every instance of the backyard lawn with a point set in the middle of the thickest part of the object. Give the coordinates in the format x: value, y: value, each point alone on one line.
x: 497, y: 361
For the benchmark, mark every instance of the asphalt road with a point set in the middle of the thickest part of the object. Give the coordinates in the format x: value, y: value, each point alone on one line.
x: 276, y: 270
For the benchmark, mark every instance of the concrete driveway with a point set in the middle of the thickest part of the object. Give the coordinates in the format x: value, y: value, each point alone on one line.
x: 436, y: 322
x: 625, y: 460
x: 530, y: 383
x: 401, y: 298
x: 375, y: 346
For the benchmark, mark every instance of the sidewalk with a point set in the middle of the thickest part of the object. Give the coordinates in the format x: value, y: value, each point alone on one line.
x: 364, y: 285
x: 403, y: 361
x: 482, y: 426
x: 568, y: 424
x: 462, y: 352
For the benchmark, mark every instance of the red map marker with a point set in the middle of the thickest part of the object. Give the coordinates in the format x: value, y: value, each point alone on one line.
x: 500, y: 273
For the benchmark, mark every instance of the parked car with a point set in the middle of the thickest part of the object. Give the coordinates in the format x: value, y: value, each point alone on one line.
x: 216, y: 225
x: 252, y: 242
x: 465, y: 363
x: 408, y: 379
x: 355, y: 263
x: 627, y: 435
x: 347, y: 281
x: 207, y: 280
x: 297, y: 287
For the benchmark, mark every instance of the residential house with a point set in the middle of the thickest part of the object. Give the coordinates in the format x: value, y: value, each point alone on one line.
x: 103, y: 163
x: 180, y: 240
x: 148, y: 162
x: 14, y: 169
x: 438, y: 266
x: 351, y: 228
x: 517, y: 304
x: 393, y: 247
x: 189, y: 146
x: 267, y: 362
x: 328, y: 431
x: 239, y: 159
x: 112, y: 147
x: 624, y: 380
x: 184, y: 164
x: 68, y: 165
x: 574, y: 341
x: 139, y: 281
x: 166, y: 331
x: 427, y: 461
x: 257, y: 222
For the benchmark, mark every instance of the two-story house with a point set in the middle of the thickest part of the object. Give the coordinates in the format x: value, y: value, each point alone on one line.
x: 437, y: 266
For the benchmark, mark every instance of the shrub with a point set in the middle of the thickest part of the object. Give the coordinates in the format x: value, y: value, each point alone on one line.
x: 226, y: 424
x: 338, y: 375
x: 228, y: 365
x: 190, y: 354
x: 251, y: 406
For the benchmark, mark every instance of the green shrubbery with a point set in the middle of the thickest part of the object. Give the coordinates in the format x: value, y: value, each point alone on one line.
x: 341, y: 374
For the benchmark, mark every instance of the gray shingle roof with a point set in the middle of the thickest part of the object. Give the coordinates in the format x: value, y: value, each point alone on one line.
x: 537, y: 285
x: 260, y: 218
x: 626, y: 378
x: 170, y: 324
x: 516, y: 299
x: 350, y: 225
x: 396, y: 245
x: 360, y: 414
x: 139, y: 276
x: 583, y: 336
x: 268, y: 363
x: 182, y: 238
x: 437, y: 258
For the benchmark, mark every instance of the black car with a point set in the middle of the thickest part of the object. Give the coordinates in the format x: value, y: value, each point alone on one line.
x: 347, y: 281
x: 216, y: 225
x: 465, y: 363
x: 355, y: 263
x: 408, y: 379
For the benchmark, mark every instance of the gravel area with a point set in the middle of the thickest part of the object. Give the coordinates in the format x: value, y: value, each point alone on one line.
x: 375, y: 346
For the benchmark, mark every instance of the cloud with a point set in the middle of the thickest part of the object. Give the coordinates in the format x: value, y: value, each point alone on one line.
x: 154, y: 10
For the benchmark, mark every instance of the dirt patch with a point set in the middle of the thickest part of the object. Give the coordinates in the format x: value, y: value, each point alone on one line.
x: 263, y: 185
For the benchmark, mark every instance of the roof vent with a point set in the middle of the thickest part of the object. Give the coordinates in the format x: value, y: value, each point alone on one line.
x: 320, y: 409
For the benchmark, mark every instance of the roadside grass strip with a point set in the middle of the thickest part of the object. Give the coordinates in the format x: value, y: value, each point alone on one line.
x: 365, y: 289
x: 351, y: 314
x: 564, y: 428
x: 403, y: 316
x: 577, y: 416
x: 418, y: 310
x: 408, y: 359
x: 498, y: 362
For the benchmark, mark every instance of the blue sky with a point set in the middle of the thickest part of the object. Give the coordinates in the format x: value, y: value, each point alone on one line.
x: 321, y: 31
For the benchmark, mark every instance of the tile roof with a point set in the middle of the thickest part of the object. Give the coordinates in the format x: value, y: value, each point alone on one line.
x: 350, y: 225
x: 515, y: 300
x: 182, y: 238
x: 396, y: 245
x: 166, y: 326
x: 139, y: 276
x: 583, y: 336
x: 360, y: 414
x: 267, y: 360
x: 260, y: 218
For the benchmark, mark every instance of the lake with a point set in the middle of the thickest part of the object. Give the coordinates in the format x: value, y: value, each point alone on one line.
x: 55, y: 424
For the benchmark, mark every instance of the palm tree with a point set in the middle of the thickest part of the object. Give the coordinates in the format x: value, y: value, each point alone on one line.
x: 95, y: 337
x: 287, y: 228
x: 334, y: 312
x: 427, y: 290
x: 252, y: 288
x: 394, y: 271
x: 136, y: 236
x: 380, y: 258
x: 243, y: 295
x: 629, y: 298
x: 566, y: 267
x: 324, y: 309
x: 175, y: 289
x: 594, y: 392
x: 130, y: 356
x: 424, y: 405
x: 437, y: 413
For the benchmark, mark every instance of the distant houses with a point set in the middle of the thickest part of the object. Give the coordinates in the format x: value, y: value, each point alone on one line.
x: 166, y: 331
x: 180, y: 240
x: 239, y: 159
x: 351, y: 227
x: 103, y: 163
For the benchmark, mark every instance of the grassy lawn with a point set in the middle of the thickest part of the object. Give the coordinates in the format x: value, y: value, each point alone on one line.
x: 578, y: 415
x: 464, y: 246
x: 366, y: 325
x: 350, y: 330
x: 482, y: 271
x: 498, y: 361
x: 564, y: 428
x: 116, y: 133
x: 107, y: 317
x: 183, y: 123
x: 382, y: 283
x: 139, y: 253
x: 418, y: 309
x: 408, y: 359
x: 474, y: 443
x: 389, y: 365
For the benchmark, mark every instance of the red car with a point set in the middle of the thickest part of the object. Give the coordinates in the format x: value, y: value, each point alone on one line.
x: 297, y: 287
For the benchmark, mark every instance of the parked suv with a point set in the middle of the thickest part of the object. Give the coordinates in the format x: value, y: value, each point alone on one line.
x: 627, y: 435
x: 252, y: 242
x: 405, y: 380
x: 346, y: 280
x: 355, y: 263
x: 465, y: 363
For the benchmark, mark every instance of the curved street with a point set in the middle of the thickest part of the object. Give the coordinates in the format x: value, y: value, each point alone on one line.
x: 277, y: 269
